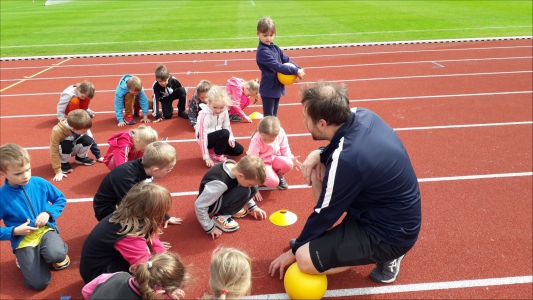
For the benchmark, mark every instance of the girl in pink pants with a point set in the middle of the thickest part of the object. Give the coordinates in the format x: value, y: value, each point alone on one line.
x: 271, y: 144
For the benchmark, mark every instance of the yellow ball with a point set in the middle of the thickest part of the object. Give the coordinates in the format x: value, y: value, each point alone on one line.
x: 287, y: 79
x: 300, y: 285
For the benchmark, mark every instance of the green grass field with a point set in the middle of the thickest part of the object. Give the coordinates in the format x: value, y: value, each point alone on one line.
x: 90, y: 26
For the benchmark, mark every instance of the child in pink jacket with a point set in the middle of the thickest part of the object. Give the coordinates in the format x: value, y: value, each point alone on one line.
x: 128, y: 145
x: 271, y: 144
x: 241, y: 93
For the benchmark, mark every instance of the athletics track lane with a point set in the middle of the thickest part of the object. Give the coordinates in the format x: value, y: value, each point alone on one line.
x: 473, y: 228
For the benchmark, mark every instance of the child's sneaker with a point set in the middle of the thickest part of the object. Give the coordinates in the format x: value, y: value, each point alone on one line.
x: 137, y: 114
x: 128, y: 119
x: 182, y: 114
x: 283, y: 185
x: 241, y: 214
x: 66, y: 168
x: 84, y: 161
x: 63, y: 264
x: 387, y: 272
x: 235, y: 118
x: 225, y: 223
x: 220, y: 158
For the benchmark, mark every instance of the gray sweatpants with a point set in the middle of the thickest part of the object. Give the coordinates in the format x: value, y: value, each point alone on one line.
x: 33, y: 261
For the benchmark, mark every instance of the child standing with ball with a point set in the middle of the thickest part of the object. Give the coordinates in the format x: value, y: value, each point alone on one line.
x: 270, y: 60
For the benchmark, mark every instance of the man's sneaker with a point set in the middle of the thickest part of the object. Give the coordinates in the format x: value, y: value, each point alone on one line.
x: 283, y: 185
x: 84, y: 161
x: 128, y: 119
x: 225, y: 223
x: 17, y: 263
x: 235, y: 118
x: 387, y: 272
x: 182, y: 114
x: 241, y: 214
x: 292, y: 242
x: 66, y: 168
x: 63, y: 264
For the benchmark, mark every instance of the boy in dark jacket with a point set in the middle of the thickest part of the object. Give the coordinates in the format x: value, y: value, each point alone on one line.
x: 167, y: 89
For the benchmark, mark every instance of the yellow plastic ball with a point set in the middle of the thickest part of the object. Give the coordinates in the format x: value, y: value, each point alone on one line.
x: 287, y: 79
x: 300, y: 285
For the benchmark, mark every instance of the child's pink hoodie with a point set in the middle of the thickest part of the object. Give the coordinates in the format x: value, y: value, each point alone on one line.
x: 239, y: 101
x: 120, y: 150
x: 267, y: 152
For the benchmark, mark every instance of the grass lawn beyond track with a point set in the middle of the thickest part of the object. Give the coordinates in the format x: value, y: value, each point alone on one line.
x: 91, y: 26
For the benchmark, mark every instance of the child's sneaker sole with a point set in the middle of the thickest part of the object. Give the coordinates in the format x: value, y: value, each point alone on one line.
x: 63, y: 264
x: 241, y: 214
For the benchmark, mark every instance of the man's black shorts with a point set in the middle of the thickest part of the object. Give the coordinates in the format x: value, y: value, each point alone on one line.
x: 348, y: 244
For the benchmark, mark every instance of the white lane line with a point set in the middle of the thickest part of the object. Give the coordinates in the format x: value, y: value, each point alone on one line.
x: 415, y: 287
x: 308, y: 134
x: 305, y: 186
x: 253, y: 59
x: 225, y: 62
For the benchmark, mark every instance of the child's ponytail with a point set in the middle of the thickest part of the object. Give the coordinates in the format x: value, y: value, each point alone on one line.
x: 163, y: 271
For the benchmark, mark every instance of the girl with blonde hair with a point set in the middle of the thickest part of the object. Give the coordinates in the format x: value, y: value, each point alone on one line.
x: 241, y: 93
x: 230, y: 274
x: 129, y: 235
x: 159, y: 278
x: 213, y: 131
x: 128, y: 145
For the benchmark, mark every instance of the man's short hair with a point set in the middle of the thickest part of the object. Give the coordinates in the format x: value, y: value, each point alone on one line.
x: 326, y: 101
x: 158, y: 154
x: 79, y: 119
x: 134, y: 83
x: 13, y: 155
x: 253, y: 168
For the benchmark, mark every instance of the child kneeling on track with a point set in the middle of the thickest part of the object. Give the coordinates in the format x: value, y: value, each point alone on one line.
x: 241, y: 92
x: 214, y: 130
x: 78, y: 96
x: 130, y: 98
x: 158, y: 160
x: 166, y: 89
x: 129, y: 235
x: 230, y: 274
x: 128, y: 145
x: 159, y: 278
x: 224, y: 191
x: 199, y: 96
x: 270, y: 142
x: 71, y: 137
x: 29, y: 208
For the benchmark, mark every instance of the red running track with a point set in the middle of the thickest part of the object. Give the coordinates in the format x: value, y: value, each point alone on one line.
x: 462, y: 109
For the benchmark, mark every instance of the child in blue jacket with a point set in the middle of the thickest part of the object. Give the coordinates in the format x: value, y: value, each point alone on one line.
x: 270, y: 60
x: 131, y: 98
x: 29, y: 207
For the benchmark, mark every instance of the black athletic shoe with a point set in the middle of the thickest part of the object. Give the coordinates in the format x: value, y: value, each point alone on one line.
x: 182, y: 114
x: 84, y: 161
x: 387, y: 272
x: 66, y: 168
x: 292, y: 242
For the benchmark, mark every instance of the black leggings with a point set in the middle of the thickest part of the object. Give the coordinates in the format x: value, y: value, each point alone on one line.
x: 219, y: 141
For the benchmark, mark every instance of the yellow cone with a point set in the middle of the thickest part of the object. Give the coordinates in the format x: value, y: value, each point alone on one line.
x: 283, y: 218
x: 256, y: 115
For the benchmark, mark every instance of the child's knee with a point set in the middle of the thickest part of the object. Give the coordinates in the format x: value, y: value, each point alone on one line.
x: 37, y: 284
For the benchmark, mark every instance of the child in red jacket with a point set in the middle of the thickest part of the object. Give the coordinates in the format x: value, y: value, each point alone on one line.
x: 128, y: 145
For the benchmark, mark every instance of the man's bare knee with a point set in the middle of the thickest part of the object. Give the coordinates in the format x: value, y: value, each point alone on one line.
x: 303, y: 258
